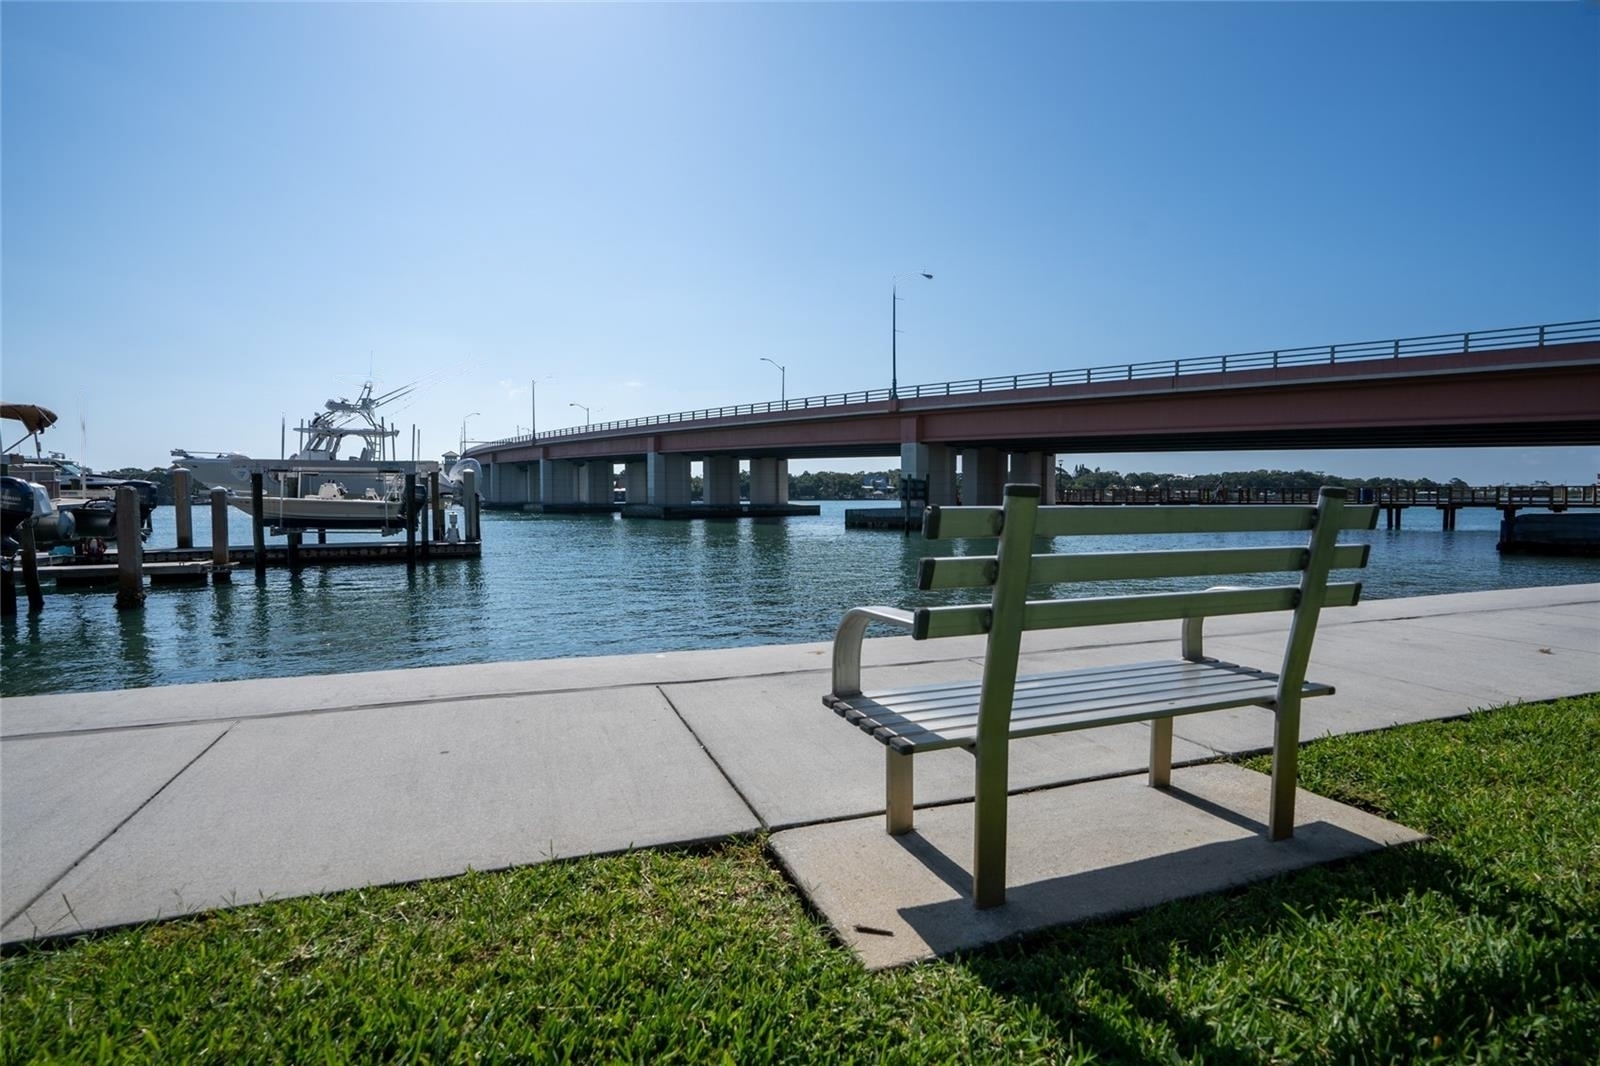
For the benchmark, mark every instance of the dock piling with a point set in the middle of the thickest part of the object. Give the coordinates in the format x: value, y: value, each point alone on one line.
x: 292, y: 489
x: 30, y: 568
x: 219, y: 537
x: 469, y: 489
x: 411, y: 526
x: 130, y: 551
x: 425, y: 524
x: 435, y: 506
x: 259, y: 534
x: 180, y: 507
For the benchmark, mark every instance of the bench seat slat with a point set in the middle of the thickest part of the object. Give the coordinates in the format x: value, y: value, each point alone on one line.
x: 916, y: 697
x: 935, y: 693
x: 1043, y: 690
x: 1056, y: 690
x: 1052, y: 703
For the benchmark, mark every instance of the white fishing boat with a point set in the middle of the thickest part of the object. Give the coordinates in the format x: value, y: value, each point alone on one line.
x: 332, y: 507
x: 349, y: 443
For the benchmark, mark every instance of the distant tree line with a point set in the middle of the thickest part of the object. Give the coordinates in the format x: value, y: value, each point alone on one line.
x: 835, y: 485
x: 161, y: 477
x: 1083, y: 477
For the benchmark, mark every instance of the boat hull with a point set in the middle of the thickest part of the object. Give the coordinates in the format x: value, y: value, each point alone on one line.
x: 384, y: 516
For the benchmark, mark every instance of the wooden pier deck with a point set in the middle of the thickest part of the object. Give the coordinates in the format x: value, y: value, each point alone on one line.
x: 174, y: 566
x: 88, y: 575
x: 335, y: 554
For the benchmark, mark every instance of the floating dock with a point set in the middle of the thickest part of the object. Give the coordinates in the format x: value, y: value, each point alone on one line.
x: 89, y: 575
x: 894, y: 518
x: 706, y: 510
x: 1550, y: 534
x: 336, y: 554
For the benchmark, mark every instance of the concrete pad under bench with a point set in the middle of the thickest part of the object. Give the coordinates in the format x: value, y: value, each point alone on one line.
x: 296, y: 806
x: 1076, y: 854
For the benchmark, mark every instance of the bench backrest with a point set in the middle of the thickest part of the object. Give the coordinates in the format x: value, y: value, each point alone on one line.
x: 1014, y: 567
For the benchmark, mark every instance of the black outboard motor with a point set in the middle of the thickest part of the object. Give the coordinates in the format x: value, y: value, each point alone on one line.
x: 16, y: 507
x: 149, y: 496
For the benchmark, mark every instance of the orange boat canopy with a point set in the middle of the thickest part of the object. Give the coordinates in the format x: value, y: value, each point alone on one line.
x: 31, y: 415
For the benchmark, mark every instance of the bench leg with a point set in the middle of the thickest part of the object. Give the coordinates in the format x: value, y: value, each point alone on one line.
x: 1285, y: 768
x: 897, y: 791
x: 989, y: 827
x: 1161, y: 753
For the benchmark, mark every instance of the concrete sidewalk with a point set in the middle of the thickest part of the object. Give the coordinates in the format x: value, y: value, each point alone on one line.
x: 120, y: 807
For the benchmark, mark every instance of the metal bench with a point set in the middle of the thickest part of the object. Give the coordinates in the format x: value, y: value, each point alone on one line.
x: 983, y: 716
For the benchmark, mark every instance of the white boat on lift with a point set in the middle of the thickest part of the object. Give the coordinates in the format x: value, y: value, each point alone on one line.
x: 369, y: 464
x: 332, y: 507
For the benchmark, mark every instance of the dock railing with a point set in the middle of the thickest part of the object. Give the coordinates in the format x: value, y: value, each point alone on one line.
x: 1234, y: 362
x: 1554, y: 497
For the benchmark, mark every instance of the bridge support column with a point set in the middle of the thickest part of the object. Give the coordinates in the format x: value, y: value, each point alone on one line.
x: 594, y: 484
x: 667, y: 479
x: 636, y: 481
x: 1035, y: 468
x: 558, y: 481
x: 983, y: 477
x: 934, y: 463
x: 530, y: 492
x: 769, y: 482
x: 719, y: 481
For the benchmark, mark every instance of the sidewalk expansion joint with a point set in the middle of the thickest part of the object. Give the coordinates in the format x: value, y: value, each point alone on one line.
x: 114, y: 830
x: 737, y: 791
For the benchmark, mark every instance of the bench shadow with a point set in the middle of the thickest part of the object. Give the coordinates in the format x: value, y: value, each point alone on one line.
x: 1068, y: 973
x: 1116, y: 889
x: 958, y: 876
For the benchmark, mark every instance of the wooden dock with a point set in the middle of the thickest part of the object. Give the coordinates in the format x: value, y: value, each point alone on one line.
x: 336, y: 554
x: 1394, y: 500
x: 1552, y: 497
x: 90, y: 575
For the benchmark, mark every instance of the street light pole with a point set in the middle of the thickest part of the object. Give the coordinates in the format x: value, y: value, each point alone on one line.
x: 464, y: 429
x: 783, y: 378
x: 585, y: 413
x: 533, y: 406
x: 894, y: 333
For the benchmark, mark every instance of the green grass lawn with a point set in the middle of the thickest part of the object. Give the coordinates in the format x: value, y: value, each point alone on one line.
x: 1482, y: 945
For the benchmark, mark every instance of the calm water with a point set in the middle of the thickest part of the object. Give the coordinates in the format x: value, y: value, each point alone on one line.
x: 556, y: 586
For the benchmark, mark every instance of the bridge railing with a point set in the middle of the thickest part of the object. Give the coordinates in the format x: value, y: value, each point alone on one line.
x: 1234, y: 362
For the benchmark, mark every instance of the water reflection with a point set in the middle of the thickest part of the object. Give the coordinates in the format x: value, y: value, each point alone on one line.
x: 133, y: 647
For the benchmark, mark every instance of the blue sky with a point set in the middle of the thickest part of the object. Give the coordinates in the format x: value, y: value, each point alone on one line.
x: 217, y: 216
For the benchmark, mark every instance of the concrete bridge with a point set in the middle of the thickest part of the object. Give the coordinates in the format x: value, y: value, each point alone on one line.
x: 1533, y: 385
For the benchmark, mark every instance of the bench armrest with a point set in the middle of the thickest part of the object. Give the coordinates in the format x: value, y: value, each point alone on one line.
x: 847, y: 644
x: 1193, y: 640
